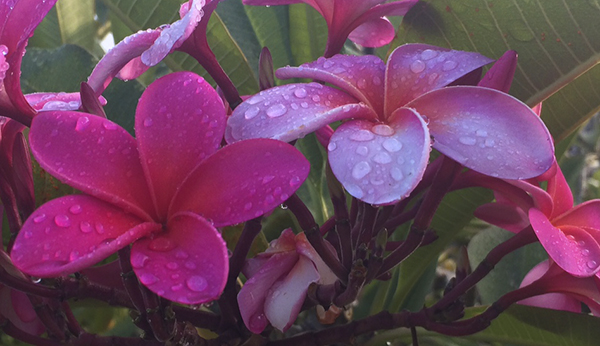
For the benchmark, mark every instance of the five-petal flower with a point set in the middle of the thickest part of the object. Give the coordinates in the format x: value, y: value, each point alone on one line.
x: 381, y: 153
x: 164, y: 191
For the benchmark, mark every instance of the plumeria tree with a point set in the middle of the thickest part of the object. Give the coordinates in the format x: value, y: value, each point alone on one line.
x: 299, y: 172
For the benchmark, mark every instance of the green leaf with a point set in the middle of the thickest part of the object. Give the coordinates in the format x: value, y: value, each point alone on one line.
x: 508, y: 274
x: 308, y: 33
x: 558, y: 44
x: 521, y: 325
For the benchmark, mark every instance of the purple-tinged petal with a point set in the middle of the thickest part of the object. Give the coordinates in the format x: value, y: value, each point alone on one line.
x: 285, y: 297
x: 119, y: 56
x: 56, y: 101
x: 93, y: 155
x: 74, y: 232
x: 488, y: 131
x: 360, y: 76
x: 251, y: 298
x: 504, y: 215
x: 292, y: 111
x: 501, y: 74
x: 586, y: 215
x: 175, y: 136
x: 242, y: 181
x: 187, y: 264
x: 374, y: 33
x: 414, y: 69
x: 133, y: 69
x: 380, y: 163
x: 572, y: 248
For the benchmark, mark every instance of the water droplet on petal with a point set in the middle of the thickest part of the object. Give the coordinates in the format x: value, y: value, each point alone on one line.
x: 248, y: 206
x: 428, y: 54
x: 85, y: 227
x: 75, y: 209
x: 190, y: 265
x: 354, y: 190
x: 257, y: 321
x: 592, y: 264
x: 481, y: 133
x: 197, y: 283
x: 331, y: 146
x: 139, y: 260
x: 396, y: 174
x: 360, y: 170
x: 82, y: 124
x: 362, y: 83
x: 181, y: 254
x: 172, y: 265
x: 417, y: 66
x: 74, y: 255
x: 362, y: 136
x: 109, y: 125
x: 276, y: 111
x: 39, y: 218
x: 295, y: 182
x: 148, y: 122
x: 376, y: 80
x: 161, y: 244
x: 62, y: 220
x: 383, y: 130
x: 251, y: 112
x: 467, y: 140
x: 267, y: 178
x: 177, y: 287
x: 148, y: 279
x: 300, y: 93
x: 99, y: 228
x: 449, y: 65
x: 392, y: 145
x: 382, y: 158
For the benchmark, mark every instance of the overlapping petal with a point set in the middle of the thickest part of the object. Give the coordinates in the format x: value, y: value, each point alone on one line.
x: 162, y: 123
x: 374, y: 33
x: 487, y: 131
x: 17, y: 308
x: 74, y: 232
x: 93, y: 155
x: 188, y: 264
x: 360, y: 76
x: 292, y: 111
x: 414, y: 69
x: 380, y: 163
x: 573, y: 248
x: 242, y: 181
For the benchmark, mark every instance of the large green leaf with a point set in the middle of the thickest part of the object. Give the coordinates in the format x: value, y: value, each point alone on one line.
x: 523, y: 326
x: 308, y: 33
x: 143, y: 14
x: 558, y: 44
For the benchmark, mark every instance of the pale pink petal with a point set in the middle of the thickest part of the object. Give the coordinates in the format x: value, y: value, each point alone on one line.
x: 251, y: 298
x: 586, y: 214
x: 242, y: 181
x: 70, y: 233
x: 94, y: 155
x: 292, y: 111
x: 504, y: 215
x: 305, y: 249
x: 360, y: 76
x: 187, y: 263
x: 285, y: 243
x: 132, y: 69
x: 380, y: 163
x: 501, y: 74
x: 572, y: 248
x: 414, y: 69
x: 374, y: 33
x: 488, y: 131
x: 180, y: 120
x: 285, y: 297
x: 17, y: 308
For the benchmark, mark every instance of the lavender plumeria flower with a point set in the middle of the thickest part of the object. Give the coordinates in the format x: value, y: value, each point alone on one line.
x: 391, y: 111
x: 164, y: 191
x: 363, y: 21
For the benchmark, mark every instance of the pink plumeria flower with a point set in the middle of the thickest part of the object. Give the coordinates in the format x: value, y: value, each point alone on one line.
x: 565, y: 292
x: 164, y: 191
x: 391, y: 111
x: 362, y: 21
x: 278, y: 280
x: 18, y: 20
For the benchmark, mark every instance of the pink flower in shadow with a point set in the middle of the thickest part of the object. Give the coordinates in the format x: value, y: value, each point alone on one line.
x: 278, y: 280
x: 164, y: 191
x: 391, y: 111
x: 362, y: 21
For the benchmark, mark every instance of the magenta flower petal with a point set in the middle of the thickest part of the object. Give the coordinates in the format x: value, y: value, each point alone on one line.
x: 360, y: 76
x: 304, y: 248
x: 472, y: 126
x: 504, y: 215
x: 379, y: 163
x: 93, y: 155
x: 585, y: 215
x: 500, y: 75
x: 163, y: 120
x: 17, y: 308
x: 56, y: 101
x: 74, y: 232
x: 561, y: 194
x: 251, y: 298
x: 292, y: 111
x: 285, y: 297
x: 414, y: 69
x: 242, y: 181
x: 187, y: 264
x: 374, y: 33
x: 572, y: 248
